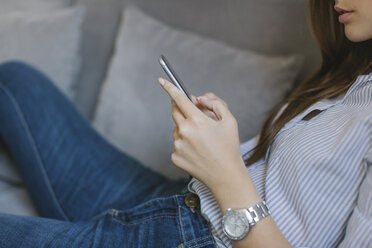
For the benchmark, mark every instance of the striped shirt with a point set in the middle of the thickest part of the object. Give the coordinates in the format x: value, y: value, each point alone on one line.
x: 312, y: 171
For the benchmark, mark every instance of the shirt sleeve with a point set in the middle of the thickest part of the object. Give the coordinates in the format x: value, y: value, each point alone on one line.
x: 359, y: 227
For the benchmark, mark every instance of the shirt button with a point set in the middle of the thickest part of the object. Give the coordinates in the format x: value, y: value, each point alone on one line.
x: 192, y: 200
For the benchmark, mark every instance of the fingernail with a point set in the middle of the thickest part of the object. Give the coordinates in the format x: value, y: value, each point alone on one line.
x: 203, y: 98
x: 161, y: 81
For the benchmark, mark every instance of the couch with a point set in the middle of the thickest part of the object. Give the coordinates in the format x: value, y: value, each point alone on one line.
x: 268, y: 27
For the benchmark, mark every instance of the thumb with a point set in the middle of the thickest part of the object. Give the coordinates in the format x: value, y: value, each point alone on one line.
x: 215, y: 105
x: 194, y: 100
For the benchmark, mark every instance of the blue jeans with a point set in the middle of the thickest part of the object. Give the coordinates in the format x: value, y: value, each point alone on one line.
x: 88, y: 193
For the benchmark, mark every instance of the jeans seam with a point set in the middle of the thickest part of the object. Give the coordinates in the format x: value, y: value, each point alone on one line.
x: 201, y: 244
x: 144, y: 219
x: 110, y: 211
x: 144, y: 204
x: 180, y: 220
x: 34, y: 148
x: 196, y: 240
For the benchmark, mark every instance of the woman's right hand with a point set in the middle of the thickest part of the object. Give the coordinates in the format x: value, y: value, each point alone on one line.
x: 205, y: 110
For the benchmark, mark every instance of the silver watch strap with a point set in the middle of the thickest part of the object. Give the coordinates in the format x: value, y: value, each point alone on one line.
x: 258, y: 212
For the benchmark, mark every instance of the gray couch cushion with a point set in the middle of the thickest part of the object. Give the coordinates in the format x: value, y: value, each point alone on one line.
x: 134, y: 112
x: 99, y: 32
x: 269, y: 26
x: 49, y: 41
x: 16, y: 200
x: 8, y: 169
x: 7, y: 6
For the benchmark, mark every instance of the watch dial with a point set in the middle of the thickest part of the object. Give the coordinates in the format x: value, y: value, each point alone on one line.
x: 235, y: 224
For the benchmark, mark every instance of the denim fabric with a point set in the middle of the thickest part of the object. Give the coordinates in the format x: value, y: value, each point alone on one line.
x: 88, y: 193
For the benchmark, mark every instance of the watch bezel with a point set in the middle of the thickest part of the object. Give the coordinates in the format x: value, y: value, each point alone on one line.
x: 233, y: 212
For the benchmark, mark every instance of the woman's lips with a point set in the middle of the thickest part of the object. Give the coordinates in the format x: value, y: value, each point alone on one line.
x: 343, y: 18
x: 344, y: 14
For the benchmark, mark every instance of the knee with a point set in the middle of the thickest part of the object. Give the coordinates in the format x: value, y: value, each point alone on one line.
x: 15, y: 75
x: 25, y: 81
x: 14, y: 67
x: 10, y: 70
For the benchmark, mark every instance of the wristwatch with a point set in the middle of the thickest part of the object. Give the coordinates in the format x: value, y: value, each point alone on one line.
x: 236, y: 223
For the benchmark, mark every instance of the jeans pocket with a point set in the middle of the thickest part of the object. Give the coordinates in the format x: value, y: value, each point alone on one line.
x: 160, y: 222
x: 152, y: 210
x: 154, y: 223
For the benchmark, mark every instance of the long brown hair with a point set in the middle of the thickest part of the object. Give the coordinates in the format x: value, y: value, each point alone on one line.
x: 342, y: 62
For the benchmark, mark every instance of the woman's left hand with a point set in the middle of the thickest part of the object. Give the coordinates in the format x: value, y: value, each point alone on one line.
x: 206, y: 148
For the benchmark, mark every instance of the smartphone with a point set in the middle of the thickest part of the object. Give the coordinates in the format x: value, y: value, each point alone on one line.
x: 172, y: 75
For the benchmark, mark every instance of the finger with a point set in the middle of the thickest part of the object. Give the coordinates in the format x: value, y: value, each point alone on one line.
x: 181, y: 162
x: 177, y: 115
x: 210, y: 114
x: 184, y: 103
x: 176, y: 134
x: 211, y: 95
x: 175, y: 107
x: 206, y: 111
x: 217, y: 106
x: 193, y: 99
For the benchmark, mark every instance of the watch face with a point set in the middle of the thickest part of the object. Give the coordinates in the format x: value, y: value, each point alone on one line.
x: 235, y: 224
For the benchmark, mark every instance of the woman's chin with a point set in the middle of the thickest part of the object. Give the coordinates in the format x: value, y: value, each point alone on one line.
x: 357, y: 35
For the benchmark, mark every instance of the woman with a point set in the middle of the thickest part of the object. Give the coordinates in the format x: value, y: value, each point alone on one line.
x: 307, y: 162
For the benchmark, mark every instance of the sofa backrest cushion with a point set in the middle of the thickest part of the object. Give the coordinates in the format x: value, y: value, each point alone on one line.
x: 268, y: 26
x: 134, y: 112
x: 7, y: 6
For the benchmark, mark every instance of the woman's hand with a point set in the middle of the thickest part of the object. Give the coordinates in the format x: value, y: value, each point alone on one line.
x: 206, y: 145
x: 208, y: 148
